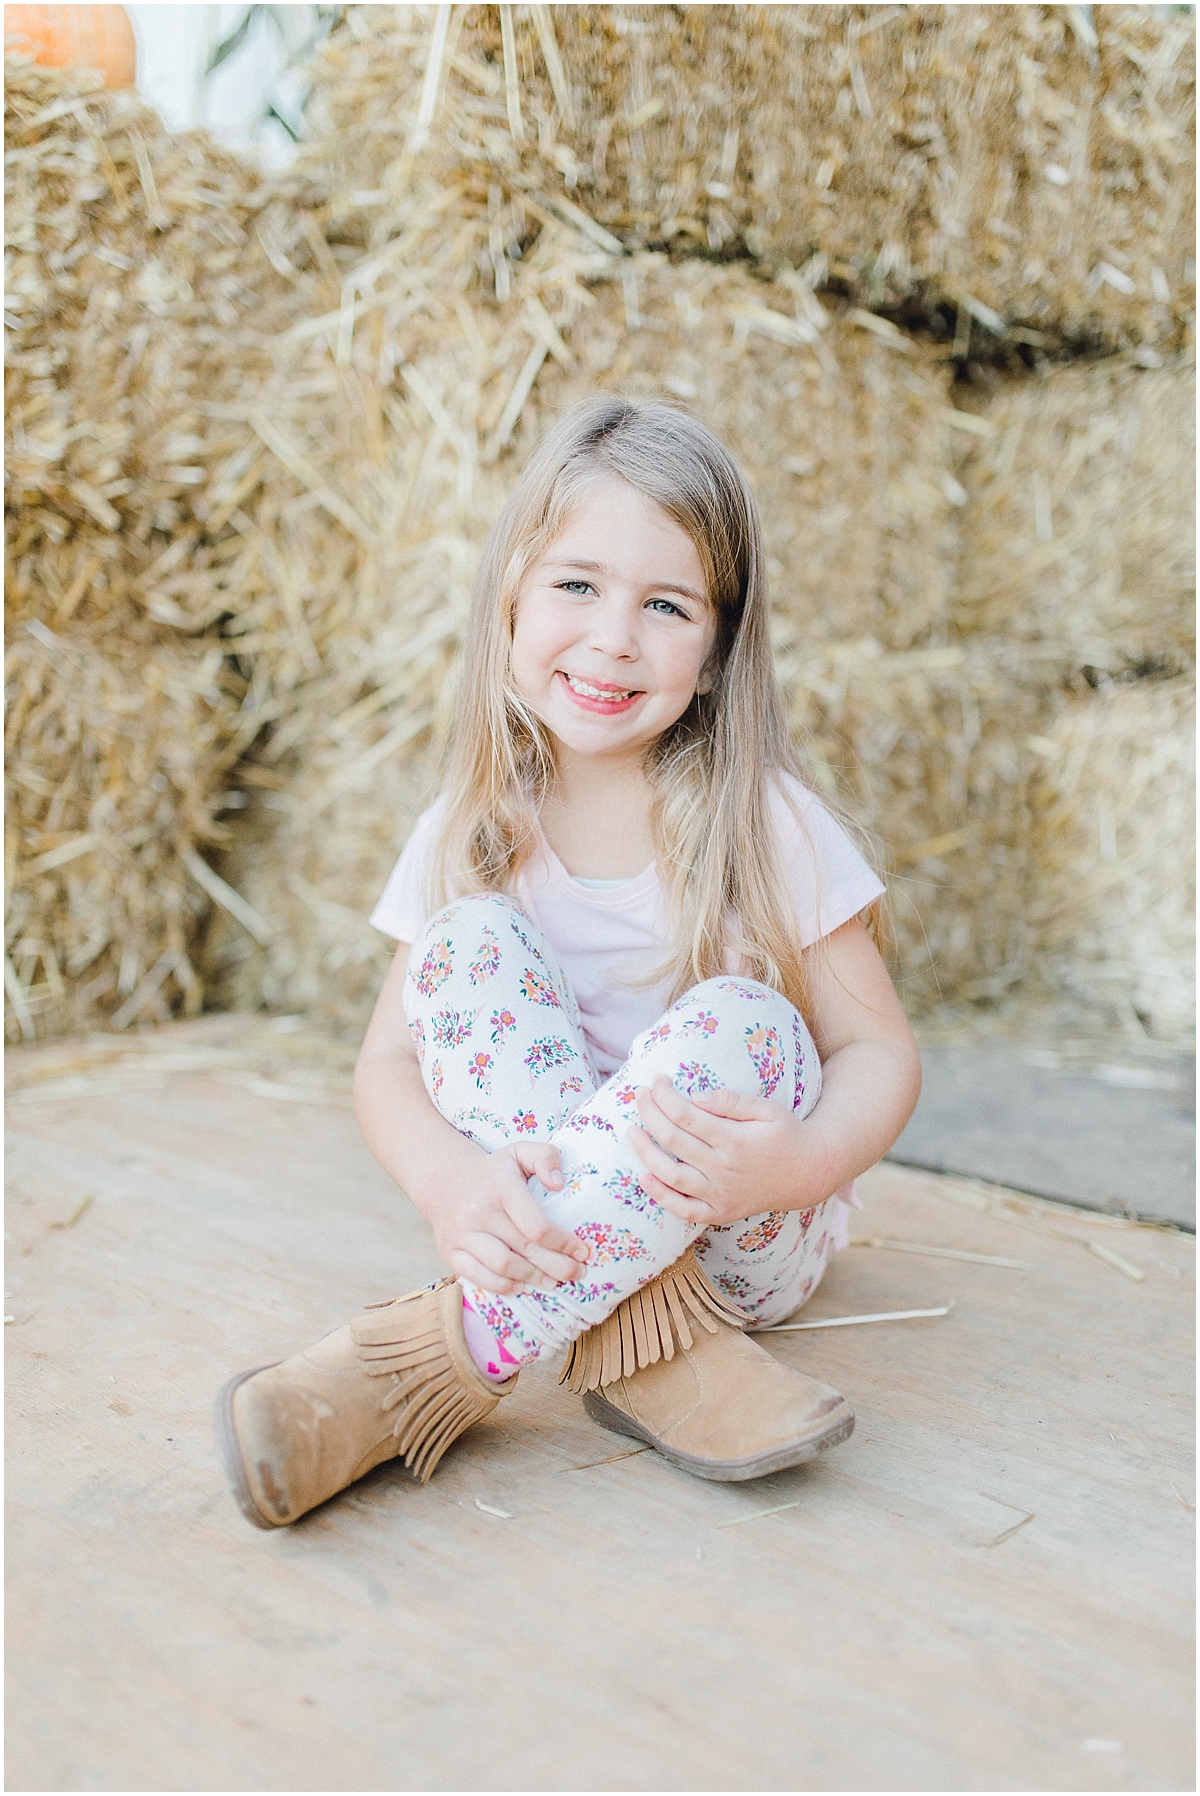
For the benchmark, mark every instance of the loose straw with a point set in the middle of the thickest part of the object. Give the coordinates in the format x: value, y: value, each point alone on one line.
x: 781, y: 1328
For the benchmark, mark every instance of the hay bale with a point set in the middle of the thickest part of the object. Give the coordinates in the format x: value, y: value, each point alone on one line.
x: 1029, y: 165
x: 929, y: 749
x: 1113, y: 902
x: 354, y: 358
x: 1079, y: 531
x: 134, y: 267
x: 116, y: 751
x: 140, y: 298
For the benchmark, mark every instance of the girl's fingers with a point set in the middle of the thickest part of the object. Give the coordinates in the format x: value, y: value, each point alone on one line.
x: 676, y: 1144
x: 534, y: 1226
x: 505, y: 1262
x: 560, y: 1268
x: 676, y: 1174
x: 662, y: 1104
x: 516, y: 1264
x: 539, y: 1160
x: 548, y: 1269
x: 688, y: 1209
x: 522, y: 1218
x: 465, y: 1265
x: 737, y: 1106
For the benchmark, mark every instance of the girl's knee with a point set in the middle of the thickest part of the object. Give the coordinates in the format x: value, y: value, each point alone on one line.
x: 466, y: 914
x: 772, y: 1036
x: 731, y: 992
x: 473, y: 932
x: 465, y: 938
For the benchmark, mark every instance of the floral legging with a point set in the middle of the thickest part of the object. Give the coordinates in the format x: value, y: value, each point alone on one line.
x: 503, y: 1055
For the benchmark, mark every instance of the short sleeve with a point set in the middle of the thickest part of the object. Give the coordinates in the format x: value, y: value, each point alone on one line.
x: 829, y: 879
x: 404, y: 907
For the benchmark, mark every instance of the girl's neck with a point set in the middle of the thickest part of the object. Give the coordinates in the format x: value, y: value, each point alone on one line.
x: 596, y: 817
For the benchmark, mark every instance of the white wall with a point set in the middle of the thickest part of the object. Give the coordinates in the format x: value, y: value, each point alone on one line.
x: 174, y: 47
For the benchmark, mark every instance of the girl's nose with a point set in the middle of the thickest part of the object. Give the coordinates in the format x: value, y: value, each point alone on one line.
x: 614, y: 631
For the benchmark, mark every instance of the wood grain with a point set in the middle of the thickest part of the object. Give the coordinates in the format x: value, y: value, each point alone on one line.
x: 876, y: 1633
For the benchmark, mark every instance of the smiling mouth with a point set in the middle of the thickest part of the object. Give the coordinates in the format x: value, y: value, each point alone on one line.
x: 604, y: 695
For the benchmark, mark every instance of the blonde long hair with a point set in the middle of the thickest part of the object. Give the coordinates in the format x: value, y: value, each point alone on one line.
x: 712, y: 772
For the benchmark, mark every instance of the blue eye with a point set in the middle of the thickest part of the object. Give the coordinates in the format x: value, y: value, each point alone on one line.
x: 575, y: 586
x: 668, y: 609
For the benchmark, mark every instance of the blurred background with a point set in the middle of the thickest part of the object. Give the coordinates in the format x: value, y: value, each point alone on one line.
x: 294, y: 289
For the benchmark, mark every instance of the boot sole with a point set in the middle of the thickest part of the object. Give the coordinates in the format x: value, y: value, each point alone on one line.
x: 231, y: 1453
x: 723, y: 1471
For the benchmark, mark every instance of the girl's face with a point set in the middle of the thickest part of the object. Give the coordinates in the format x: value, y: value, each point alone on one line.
x: 613, y: 626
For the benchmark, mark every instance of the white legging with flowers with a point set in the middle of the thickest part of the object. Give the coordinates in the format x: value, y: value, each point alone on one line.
x: 503, y: 1054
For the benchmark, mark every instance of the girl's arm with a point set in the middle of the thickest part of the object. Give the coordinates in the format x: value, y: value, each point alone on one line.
x: 870, y: 1068
x: 488, y: 1227
x: 729, y: 1156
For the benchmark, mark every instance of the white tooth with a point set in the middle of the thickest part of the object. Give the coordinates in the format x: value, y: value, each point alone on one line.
x: 587, y: 691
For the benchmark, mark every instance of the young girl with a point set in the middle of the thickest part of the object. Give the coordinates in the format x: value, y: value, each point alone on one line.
x: 635, y: 1037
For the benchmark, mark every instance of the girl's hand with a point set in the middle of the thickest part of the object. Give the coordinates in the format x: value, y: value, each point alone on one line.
x: 719, y: 1157
x: 491, y: 1230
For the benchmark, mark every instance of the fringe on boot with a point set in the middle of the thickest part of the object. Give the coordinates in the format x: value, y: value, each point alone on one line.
x: 645, y: 1328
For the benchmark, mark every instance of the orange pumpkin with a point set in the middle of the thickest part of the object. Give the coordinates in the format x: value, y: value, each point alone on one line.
x: 89, y: 37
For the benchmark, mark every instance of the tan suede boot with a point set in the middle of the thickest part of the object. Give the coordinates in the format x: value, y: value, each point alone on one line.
x: 707, y: 1398
x: 398, y: 1379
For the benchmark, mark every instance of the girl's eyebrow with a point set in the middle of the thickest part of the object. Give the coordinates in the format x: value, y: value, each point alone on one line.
x: 598, y: 567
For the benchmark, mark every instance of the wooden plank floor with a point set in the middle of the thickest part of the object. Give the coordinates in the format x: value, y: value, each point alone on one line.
x: 886, y: 1630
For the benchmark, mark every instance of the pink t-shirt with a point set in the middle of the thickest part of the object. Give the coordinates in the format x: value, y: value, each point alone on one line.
x: 603, y: 937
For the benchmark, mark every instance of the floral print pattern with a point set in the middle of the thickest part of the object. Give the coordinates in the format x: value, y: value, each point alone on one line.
x: 625, y: 1187
x: 765, y: 1230
x: 693, y: 1075
x: 703, y: 1023
x: 609, y: 1243
x: 436, y: 968
x: 798, y: 1048
x: 487, y: 958
x: 463, y: 1119
x: 542, y: 1086
x: 576, y: 1185
x: 526, y: 943
x: 579, y: 1122
x: 551, y: 1051
x: 766, y: 1051
x: 502, y: 1022
x: 450, y: 1027
x: 538, y: 989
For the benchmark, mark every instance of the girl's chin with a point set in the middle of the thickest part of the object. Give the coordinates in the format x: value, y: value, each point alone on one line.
x: 595, y: 742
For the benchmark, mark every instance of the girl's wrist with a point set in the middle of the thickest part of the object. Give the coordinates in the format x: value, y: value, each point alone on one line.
x: 429, y: 1185
x: 819, y: 1165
